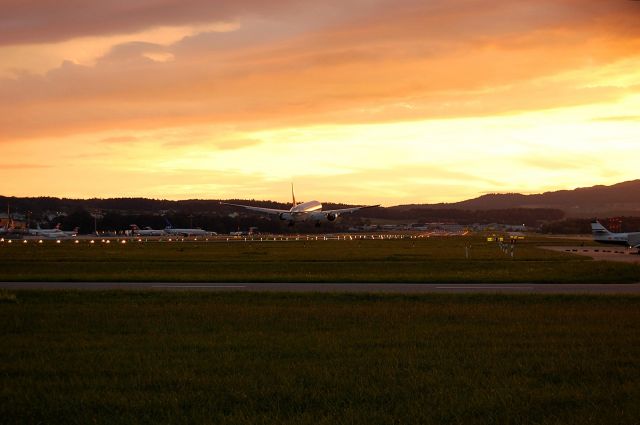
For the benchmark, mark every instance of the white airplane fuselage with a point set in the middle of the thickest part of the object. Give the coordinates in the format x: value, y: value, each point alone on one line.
x: 149, y: 232
x: 186, y: 232
x: 603, y: 235
x: 306, y: 211
x: 49, y: 233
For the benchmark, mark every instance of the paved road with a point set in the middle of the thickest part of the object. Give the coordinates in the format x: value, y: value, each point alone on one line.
x: 405, y: 288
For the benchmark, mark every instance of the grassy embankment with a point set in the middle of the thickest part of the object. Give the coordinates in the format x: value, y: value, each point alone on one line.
x: 236, y: 358
x: 409, y: 260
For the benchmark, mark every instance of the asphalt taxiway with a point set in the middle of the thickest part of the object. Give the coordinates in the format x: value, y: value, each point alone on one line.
x: 621, y: 254
x: 395, y: 288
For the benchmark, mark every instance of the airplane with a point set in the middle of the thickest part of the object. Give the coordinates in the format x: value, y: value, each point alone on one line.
x: 185, y: 232
x: 306, y: 211
x: 602, y: 235
x: 54, y: 233
x: 147, y: 231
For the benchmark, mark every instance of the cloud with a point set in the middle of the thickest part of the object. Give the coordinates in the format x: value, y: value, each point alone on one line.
x: 23, y: 166
x: 413, y: 61
x: 119, y: 139
x: 37, y: 22
x: 632, y: 118
x: 223, y: 143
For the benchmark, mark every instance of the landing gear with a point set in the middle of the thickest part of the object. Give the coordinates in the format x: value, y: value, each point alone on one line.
x: 317, y: 224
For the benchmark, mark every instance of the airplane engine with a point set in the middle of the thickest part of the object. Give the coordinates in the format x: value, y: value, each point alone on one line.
x: 332, y: 217
x: 285, y: 216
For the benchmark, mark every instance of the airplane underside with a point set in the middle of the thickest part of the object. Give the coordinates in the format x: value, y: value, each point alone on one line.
x: 293, y: 223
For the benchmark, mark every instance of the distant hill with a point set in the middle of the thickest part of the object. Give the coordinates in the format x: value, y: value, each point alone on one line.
x: 618, y: 199
x: 622, y: 199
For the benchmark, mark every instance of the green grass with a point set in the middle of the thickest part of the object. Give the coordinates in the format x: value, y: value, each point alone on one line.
x: 238, y: 358
x: 409, y: 260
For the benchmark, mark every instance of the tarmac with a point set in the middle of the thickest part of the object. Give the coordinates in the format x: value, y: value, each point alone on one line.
x: 393, y: 288
x: 610, y: 253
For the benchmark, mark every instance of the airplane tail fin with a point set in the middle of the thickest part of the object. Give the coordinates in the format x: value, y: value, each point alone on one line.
x: 293, y: 195
x: 598, y: 229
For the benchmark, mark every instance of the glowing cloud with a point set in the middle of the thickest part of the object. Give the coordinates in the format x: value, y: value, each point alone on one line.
x: 361, y: 101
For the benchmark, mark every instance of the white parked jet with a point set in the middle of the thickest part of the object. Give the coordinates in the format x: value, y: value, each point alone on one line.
x: 306, y: 211
x: 170, y: 230
x: 147, y: 231
x: 54, y: 233
x: 602, y: 235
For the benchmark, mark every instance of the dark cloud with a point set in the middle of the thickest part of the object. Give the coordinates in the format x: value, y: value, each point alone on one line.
x: 51, y: 21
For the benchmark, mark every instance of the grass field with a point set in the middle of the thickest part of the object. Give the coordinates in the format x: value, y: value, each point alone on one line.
x: 440, y: 259
x: 237, y: 358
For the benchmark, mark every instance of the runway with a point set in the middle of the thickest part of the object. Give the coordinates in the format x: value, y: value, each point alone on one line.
x: 394, y: 288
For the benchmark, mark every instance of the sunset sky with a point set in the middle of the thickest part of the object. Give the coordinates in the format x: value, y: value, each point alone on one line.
x: 357, y: 101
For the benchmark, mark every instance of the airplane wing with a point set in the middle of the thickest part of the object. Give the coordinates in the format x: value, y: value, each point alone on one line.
x: 347, y: 210
x: 259, y: 209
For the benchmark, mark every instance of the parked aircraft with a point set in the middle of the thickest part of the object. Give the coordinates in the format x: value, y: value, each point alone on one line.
x: 306, y: 211
x: 602, y: 235
x: 170, y: 230
x: 147, y: 231
x: 54, y: 233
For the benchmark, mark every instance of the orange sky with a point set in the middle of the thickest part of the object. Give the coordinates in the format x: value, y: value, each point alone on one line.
x: 359, y: 101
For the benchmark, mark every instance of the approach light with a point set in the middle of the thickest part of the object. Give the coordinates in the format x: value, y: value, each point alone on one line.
x: 92, y: 241
x: 24, y: 241
x: 107, y: 241
x: 40, y: 241
x: 139, y: 240
x: 77, y: 241
x: 169, y: 239
x: 123, y: 242
x: 58, y: 241
x: 9, y: 241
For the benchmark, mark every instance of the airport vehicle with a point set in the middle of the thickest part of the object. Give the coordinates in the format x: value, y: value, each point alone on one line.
x: 602, y: 235
x: 306, y: 211
x: 147, y: 231
x: 170, y: 230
